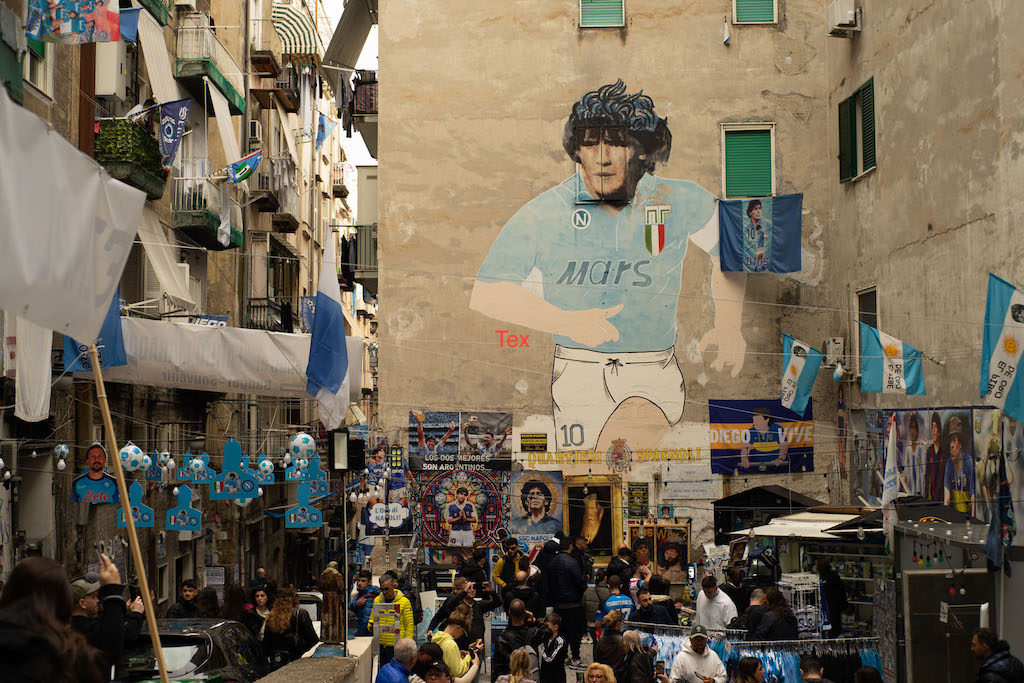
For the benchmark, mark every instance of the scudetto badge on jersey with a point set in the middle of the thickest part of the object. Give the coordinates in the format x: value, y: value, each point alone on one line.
x: 654, y: 228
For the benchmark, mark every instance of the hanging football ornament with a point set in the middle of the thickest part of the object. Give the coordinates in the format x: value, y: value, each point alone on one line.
x: 164, y: 458
x: 266, y: 466
x: 839, y: 372
x: 62, y: 464
x: 302, y: 446
x: 197, y: 465
x: 61, y: 451
x: 147, y: 462
x: 287, y: 459
x: 131, y: 457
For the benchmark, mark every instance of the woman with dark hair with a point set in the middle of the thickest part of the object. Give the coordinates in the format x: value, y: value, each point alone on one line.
x: 209, y: 606
x: 289, y: 631
x: 778, y: 622
x: 235, y: 603
x: 833, y: 594
x: 749, y: 670
x: 37, y: 643
x: 256, y: 616
x: 935, y: 462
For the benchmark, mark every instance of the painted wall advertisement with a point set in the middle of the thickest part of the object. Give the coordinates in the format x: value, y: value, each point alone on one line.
x: 445, y: 439
x: 461, y: 507
x: 760, y: 437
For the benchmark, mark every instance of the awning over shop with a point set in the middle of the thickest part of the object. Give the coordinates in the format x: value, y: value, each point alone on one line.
x: 284, y: 244
x: 158, y: 63
x: 801, y: 525
x: 298, y: 35
x: 222, y: 359
x: 756, y: 506
x: 351, y: 33
x: 156, y: 241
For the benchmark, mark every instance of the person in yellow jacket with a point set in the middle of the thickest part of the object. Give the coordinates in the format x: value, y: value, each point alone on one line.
x: 388, y: 593
x: 458, y: 624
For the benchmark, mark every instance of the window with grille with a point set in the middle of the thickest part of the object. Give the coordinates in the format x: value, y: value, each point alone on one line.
x: 602, y: 13
x: 748, y: 160
x: 857, y: 133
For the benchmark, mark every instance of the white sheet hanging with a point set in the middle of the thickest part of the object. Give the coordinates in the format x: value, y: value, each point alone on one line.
x: 161, y: 254
x: 158, y: 63
x: 32, y: 367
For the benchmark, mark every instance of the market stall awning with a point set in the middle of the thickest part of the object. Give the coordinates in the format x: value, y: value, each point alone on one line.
x: 298, y: 35
x: 759, y: 495
x: 222, y: 359
x: 800, y: 525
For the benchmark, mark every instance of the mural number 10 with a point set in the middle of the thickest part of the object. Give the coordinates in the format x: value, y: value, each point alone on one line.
x: 572, y: 435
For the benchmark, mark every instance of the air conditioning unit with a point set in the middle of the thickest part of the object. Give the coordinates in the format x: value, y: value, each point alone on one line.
x: 835, y: 351
x: 186, y: 4
x: 255, y: 131
x: 843, y: 18
x: 111, y: 69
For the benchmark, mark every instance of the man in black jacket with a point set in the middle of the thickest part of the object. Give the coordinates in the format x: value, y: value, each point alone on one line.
x: 523, y: 630
x: 98, y: 612
x: 488, y: 601
x: 565, y: 588
x: 474, y: 568
x: 533, y: 600
x: 186, y: 607
x: 622, y: 565
x: 458, y: 588
x: 997, y: 664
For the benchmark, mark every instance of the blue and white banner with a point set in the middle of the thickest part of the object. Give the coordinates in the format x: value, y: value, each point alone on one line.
x: 327, y: 368
x: 760, y: 235
x: 110, y: 343
x: 800, y: 363
x: 244, y: 167
x: 1002, y: 345
x: 172, y: 128
x: 324, y: 129
x: 888, y: 365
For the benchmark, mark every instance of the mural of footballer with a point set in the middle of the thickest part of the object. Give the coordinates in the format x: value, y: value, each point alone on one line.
x: 461, y: 515
x: 597, y: 262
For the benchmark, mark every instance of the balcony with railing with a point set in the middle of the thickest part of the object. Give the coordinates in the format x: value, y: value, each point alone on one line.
x: 200, y: 53
x: 264, y: 187
x: 365, y: 268
x: 286, y: 89
x: 275, y: 314
x: 265, y: 48
x: 365, y: 93
x: 129, y: 151
x: 195, y: 201
x: 338, y: 187
x: 286, y: 217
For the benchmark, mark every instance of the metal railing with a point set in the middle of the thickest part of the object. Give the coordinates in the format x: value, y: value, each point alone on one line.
x: 288, y: 79
x: 191, y: 191
x: 286, y: 184
x: 197, y: 40
x: 268, y: 313
x: 264, y: 37
x: 366, y: 249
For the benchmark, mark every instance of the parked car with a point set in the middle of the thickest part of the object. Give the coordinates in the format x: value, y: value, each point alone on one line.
x: 312, y: 602
x: 195, y: 649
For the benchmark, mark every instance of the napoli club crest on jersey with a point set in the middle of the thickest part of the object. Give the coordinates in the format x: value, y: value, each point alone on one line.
x: 654, y: 228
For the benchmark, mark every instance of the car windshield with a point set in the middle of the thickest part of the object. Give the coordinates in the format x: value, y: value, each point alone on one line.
x: 182, y: 655
x: 312, y: 609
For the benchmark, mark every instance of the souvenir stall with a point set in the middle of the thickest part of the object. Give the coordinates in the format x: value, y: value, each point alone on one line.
x: 781, y: 659
x: 755, y: 507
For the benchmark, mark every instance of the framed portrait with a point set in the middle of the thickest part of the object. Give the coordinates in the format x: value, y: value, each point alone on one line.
x: 641, y: 540
x: 673, y: 551
x: 593, y: 509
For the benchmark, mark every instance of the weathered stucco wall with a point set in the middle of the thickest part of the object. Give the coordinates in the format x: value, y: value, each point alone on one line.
x: 473, y: 101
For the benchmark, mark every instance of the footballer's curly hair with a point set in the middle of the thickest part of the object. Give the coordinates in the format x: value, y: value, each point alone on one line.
x: 610, y: 106
x: 531, y: 485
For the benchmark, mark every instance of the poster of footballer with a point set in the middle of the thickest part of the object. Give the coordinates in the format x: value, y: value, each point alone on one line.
x: 485, y: 437
x: 459, y: 507
x: 673, y: 543
x: 536, y: 509
x: 433, y: 439
x: 760, y: 437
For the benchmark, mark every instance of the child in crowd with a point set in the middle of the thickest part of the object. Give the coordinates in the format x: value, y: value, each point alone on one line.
x: 552, y: 653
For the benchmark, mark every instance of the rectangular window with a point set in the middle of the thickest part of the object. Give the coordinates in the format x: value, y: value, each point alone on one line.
x: 600, y: 13
x: 38, y: 66
x: 857, y: 133
x: 748, y: 166
x: 753, y: 11
x: 867, y: 313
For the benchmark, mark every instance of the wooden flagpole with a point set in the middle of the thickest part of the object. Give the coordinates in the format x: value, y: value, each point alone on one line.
x: 122, y: 490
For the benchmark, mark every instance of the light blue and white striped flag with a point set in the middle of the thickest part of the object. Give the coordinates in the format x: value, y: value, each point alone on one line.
x: 887, y: 365
x: 327, y: 369
x: 800, y: 365
x: 1003, y: 342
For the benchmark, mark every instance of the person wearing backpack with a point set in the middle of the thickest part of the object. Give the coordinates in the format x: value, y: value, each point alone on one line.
x: 522, y: 631
x: 289, y: 631
x: 520, y: 669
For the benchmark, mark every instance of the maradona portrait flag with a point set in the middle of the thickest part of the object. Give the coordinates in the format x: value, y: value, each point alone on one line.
x: 800, y: 365
x: 1002, y: 344
x: 760, y: 235
x: 887, y: 365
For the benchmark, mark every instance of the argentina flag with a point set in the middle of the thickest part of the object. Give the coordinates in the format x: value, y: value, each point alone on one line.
x: 800, y: 365
x: 327, y: 369
x: 1003, y: 342
x: 887, y: 365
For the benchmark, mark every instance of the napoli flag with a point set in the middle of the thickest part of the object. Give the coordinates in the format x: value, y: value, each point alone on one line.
x: 1002, y: 344
x: 324, y: 129
x: 327, y: 369
x: 887, y: 365
x: 110, y: 343
x: 800, y: 365
x: 173, y: 117
x: 760, y: 235
x: 244, y: 167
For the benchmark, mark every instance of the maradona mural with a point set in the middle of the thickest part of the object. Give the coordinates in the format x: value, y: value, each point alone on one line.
x: 597, y: 262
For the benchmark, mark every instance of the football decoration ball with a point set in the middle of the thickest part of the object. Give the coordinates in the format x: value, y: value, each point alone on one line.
x: 302, y: 463
x: 61, y: 451
x: 197, y: 465
x: 266, y: 467
x: 147, y: 462
x: 302, y: 446
x: 163, y: 458
x: 242, y: 502
x: 131, y: 457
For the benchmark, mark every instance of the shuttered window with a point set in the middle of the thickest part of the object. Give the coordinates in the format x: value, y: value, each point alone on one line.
x: 857, y: 133
x: 754, y: 11
x: 597, y: 13
x: 748, y: 163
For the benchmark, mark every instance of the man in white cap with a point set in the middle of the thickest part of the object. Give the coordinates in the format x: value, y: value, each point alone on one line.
x: 696, y: 662
x: 98, y: 612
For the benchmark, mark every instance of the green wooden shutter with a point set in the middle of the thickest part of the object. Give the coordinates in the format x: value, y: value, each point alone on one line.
x: 755, y: 10
x: 38, y: 47
x: 847, y: 139
x: 748, y: 163
x: 867, y: 118
x: 602, y: 13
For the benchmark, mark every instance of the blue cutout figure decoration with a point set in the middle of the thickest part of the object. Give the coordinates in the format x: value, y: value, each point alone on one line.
x: 155, y: 472
x: 316, y: 477
x: 201, y: 471
x: 235, y: 479
x: 184, y: 517
x: 296, y: 473
x: 184, y: 473
x: 142, y: 515
x: 303, y: 515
